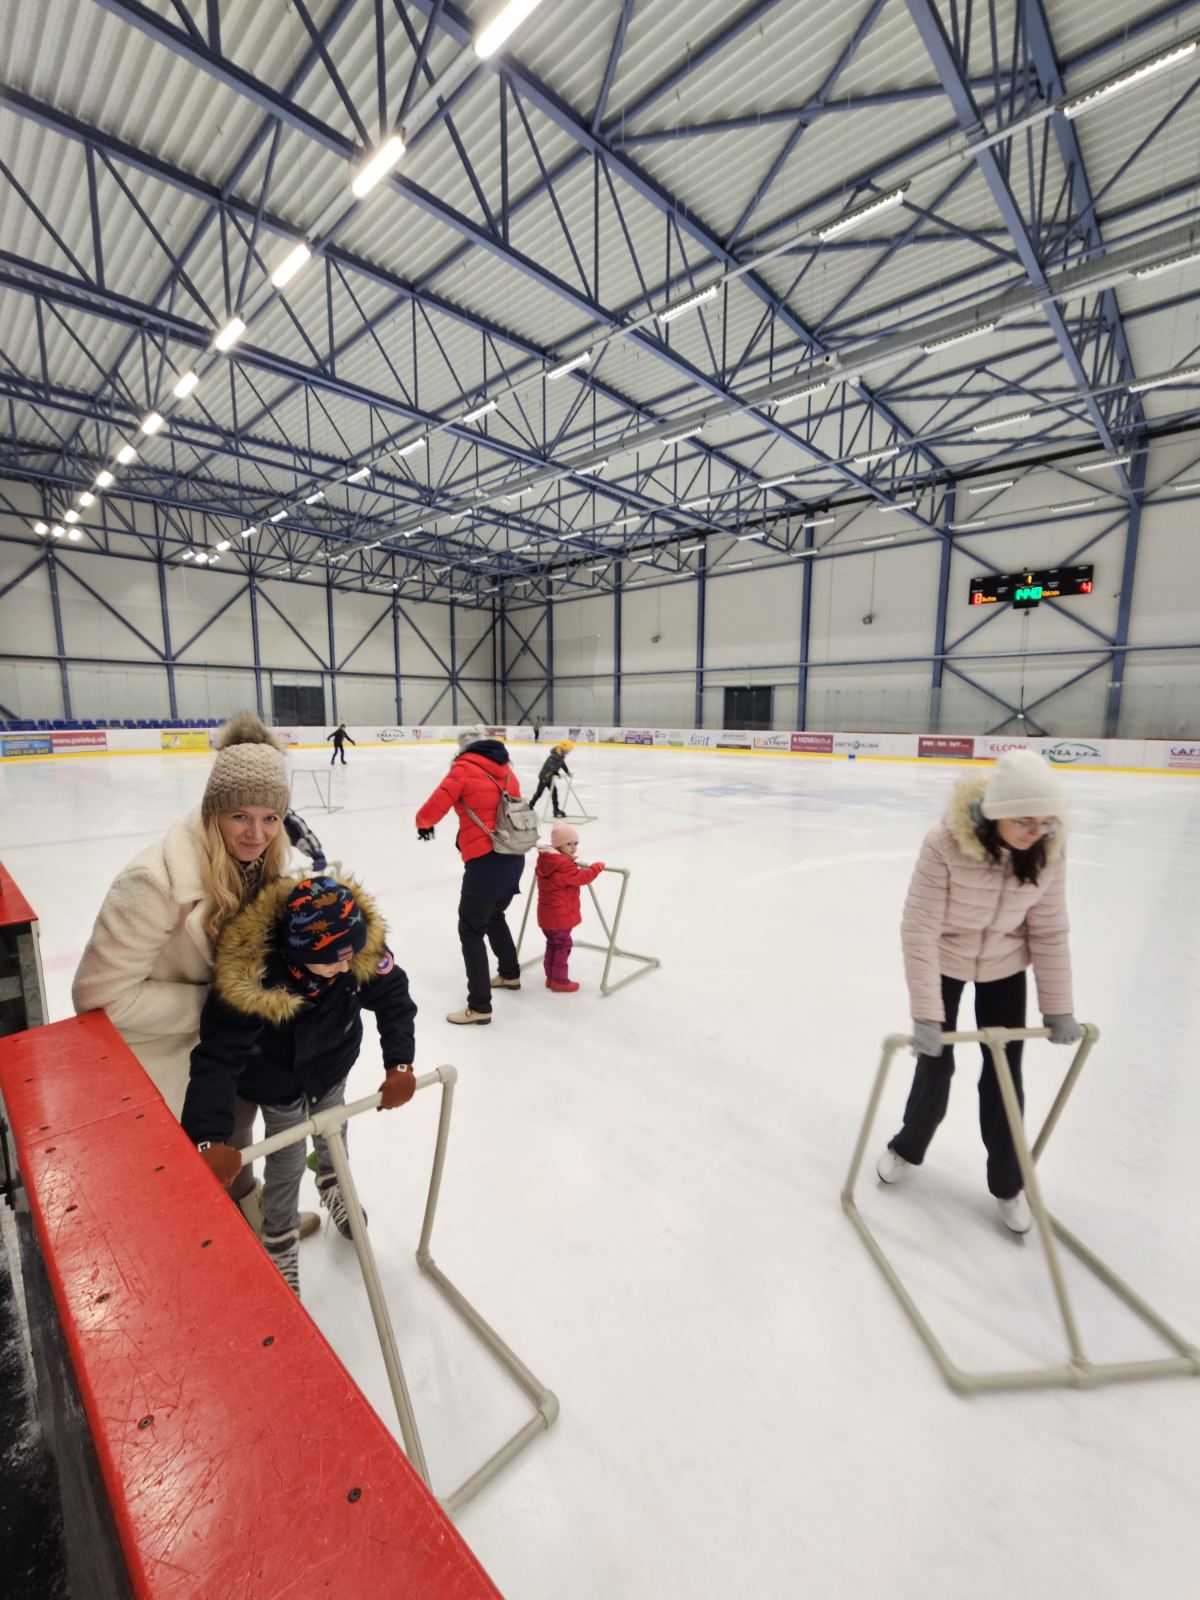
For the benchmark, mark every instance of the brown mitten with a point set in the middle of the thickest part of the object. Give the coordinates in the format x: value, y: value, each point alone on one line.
x: 397, y: 1088
x: 223, y: 1161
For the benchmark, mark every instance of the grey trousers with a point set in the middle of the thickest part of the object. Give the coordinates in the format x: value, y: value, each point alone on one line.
x: 284, y: 1168
x: 244, y: 1113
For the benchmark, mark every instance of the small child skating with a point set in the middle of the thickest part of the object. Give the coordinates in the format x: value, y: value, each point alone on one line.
x: 282, y: 1027
x: 554, y: 767
x: 559, y: 881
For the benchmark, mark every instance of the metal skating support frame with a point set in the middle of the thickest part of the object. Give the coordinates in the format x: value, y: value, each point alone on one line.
x: 329, y: 1125
x: 611, y: 949
x: 580, y: 812
x: 1078, y: 1371
x: 322, y: 782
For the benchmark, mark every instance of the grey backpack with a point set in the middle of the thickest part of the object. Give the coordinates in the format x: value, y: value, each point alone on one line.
x: 516, y: 830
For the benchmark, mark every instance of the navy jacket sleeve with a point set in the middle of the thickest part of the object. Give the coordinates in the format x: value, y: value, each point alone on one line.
x: 226, y: 1036
x: 386, y: 994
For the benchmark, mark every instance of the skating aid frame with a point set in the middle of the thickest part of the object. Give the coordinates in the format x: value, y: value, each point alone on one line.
x: 609, y: 950
x: 1078, y: 1371
x: 571, y: 794
x: 319, y: 776
x: 329, y: 1125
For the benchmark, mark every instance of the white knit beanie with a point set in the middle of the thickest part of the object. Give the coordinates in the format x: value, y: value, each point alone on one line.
x: 250, y: 770
x: 470, y: 736
x: 1022, y: 785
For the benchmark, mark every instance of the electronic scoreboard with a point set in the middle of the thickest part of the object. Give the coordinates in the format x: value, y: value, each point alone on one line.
x: 1024, y: 590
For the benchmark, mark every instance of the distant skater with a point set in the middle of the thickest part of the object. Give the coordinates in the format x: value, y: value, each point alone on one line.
x: 554, y: 766
x: 988, y: 898
x: 559, y: 880
x: 340, y: 740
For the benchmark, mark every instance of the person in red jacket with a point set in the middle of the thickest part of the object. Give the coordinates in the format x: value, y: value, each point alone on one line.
x: 477, y: 776
x: 559, y: 881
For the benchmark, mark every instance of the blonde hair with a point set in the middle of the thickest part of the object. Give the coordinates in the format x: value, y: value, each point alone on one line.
x: 228, y: 888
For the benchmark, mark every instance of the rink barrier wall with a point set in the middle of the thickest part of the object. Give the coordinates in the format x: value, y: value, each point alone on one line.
x: 236, y: 1453
x: 1100, y: 755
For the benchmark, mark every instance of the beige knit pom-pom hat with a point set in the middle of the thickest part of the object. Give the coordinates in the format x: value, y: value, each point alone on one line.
x: 250, y: 769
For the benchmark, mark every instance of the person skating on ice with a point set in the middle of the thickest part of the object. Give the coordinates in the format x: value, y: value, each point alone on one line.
x: 340, y: 740
x: 559, y: 880
x: 554, y: 766
x: 477, y: 776
x: 292, y: 974
x: 986, y: 901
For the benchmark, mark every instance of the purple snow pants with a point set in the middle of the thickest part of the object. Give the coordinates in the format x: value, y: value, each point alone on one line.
x: 558, y: 954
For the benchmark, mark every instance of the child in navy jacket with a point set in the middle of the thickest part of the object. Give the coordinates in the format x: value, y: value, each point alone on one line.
x: 282, y: 1027
x: 559, y: 881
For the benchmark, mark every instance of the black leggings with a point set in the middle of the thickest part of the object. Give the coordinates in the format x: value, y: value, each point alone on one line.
x: 997, y: 1005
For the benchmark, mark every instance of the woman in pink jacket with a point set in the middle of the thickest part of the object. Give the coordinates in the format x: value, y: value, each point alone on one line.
x: 987, y: 900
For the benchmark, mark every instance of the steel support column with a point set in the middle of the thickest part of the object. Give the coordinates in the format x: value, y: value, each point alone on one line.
x: 453, y: 668
x: 166, y: 628
x: 258, y: 670
x: 805, y: 636
x: 619, y: 585
x: 1125, y: 602
x: 549, y: 656
x: 60, y: 645
x: 396, y: 657
x: 939, y: 626
x: 332, y: 657
x: 701, y: 618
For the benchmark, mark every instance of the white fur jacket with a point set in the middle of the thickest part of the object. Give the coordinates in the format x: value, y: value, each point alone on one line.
x: 967, y: 916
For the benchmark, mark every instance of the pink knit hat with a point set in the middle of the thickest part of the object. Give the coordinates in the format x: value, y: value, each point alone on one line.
x: 563, y: 833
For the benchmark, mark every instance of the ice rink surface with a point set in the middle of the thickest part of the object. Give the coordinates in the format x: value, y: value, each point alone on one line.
x: 642, y: 1191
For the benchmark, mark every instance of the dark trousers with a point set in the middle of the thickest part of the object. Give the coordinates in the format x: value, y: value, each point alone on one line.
x: 997, y: 1005
x: 480, y: 918
x: 543, y: 785
x: 338, y: 750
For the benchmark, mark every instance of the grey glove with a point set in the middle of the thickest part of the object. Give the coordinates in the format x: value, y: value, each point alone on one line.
x: 927, y: 1038
x: 1063, y: 1029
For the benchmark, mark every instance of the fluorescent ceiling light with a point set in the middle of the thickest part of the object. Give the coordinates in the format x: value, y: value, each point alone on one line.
x: 800, y: 554
x: 799, y: 394
x: 307, y: 573
x: 1127, y: 80
x: 41, y: 527
x: 1184, y: 375
x: 581, y: 360
x: 126, y: 454
x: 1073, y: 505
x: 358, y: 477
x: 637, y: 560
x: 223, y: 544
x: 987, y: 488
x: 958, y: 338
x: 600, y: 567
x: 776, y: 483
x: 597, y: 467
x: 201, y: 558
x: 75, y: 533
x: 374, y: 545
x: 56, y: 531
x: 290, y: 265
x: 480, y: 411
x: 248, y: 533
x: 976, y: 522
x: 311, y: 499
x: 851, y: 219
x: 883, y: 538
x: 186, y: 384
x: 733, y: 565
x: 1099, y: 466
x: 678, y: 438
x: 71, y: 516
x: 1002, y: 422
x: 1180, y: 487
x: 103, y: 478
x: 378, y: 167
x: 897, y: 505
x: 411, y: 449
x: 475, y: 560
x: 278, y: 516
x: 742, y: 537
x: 872, y: 456
x: 693, y: 300
x: 1167, y: 266
x: 152, y: 422
x: 694, y: 505
x: 502, y: 26
x: 817, y: 522
x: 229, y: 335
x: 186, y: 556
x: 686, y: 549
x: 212, y: 560
x: 85, y: 499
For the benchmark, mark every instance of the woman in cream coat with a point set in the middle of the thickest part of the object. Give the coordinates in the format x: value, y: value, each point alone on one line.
x: 988, y: 899
x: 148, y: 963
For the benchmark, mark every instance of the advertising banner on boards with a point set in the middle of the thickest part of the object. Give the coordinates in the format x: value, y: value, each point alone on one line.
x: 25, y: 744
x: 948, y: 748
x: 812, y: 744
x: 184, y: 738
x: 80, y: 739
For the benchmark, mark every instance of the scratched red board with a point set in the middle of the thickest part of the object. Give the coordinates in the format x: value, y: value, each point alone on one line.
x: 14, y: 908
x: 239, y: 1456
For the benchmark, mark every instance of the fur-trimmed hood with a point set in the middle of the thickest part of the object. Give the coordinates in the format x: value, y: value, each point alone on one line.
x: 248, y: 950
x: 963, y: 816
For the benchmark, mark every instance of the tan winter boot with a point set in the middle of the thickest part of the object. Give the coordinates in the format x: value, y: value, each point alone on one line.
x: 466, y: 1016
x: 505, y: 983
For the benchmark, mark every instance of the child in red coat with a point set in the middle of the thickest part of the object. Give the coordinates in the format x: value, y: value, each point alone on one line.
x: 559, y: 881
